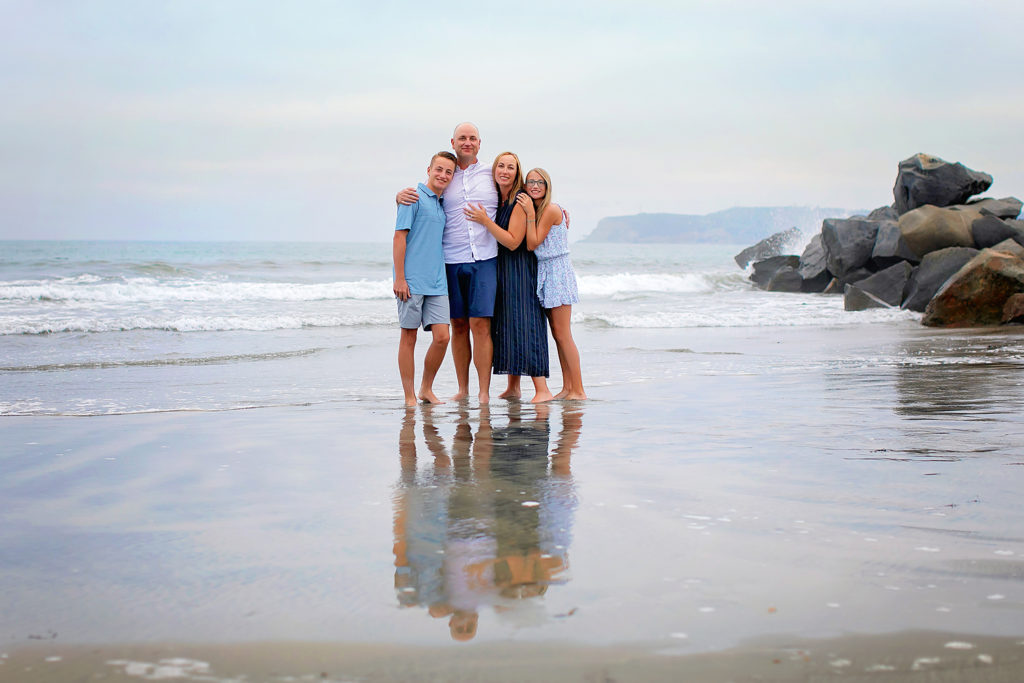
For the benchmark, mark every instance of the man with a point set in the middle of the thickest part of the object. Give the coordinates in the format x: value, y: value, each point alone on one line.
x: 420, y: 282
x: 471, y: 256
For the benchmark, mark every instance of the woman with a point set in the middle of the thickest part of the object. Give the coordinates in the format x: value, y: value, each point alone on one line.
x: 518, y: 327
x: 547, y: 235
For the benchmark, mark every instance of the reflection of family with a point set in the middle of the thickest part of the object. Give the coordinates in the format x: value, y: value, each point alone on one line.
x: 489, y: 523
x: 490, y: 252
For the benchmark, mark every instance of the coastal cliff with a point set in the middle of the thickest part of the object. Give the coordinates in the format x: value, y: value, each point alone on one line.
x: 737, y: 225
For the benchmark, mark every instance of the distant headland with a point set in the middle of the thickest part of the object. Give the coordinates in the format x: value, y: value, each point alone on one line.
x: 738, y: 225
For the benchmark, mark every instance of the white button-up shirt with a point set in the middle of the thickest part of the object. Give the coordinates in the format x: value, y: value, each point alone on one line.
x: 465, y: 241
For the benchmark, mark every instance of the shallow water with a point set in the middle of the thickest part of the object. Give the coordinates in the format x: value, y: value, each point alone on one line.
x: 722, y: 484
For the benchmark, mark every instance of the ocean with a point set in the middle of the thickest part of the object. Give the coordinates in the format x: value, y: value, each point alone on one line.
x: 114, y: 327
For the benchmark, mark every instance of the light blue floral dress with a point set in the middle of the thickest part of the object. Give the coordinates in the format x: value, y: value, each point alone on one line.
x: 556, y: 279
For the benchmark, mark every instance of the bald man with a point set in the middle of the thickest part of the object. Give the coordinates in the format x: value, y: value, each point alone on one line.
x: 471, y: 257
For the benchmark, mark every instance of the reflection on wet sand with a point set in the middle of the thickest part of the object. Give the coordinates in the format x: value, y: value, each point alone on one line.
x: 967, y: 376
x: 486, y: 522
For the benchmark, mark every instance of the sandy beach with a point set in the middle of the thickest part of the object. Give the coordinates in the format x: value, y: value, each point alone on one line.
x: 789, y: 503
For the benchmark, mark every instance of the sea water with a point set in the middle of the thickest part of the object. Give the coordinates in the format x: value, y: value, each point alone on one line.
x: 116, y: 327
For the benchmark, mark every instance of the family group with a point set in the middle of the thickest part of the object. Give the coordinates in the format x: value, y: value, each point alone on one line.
x: 487, y: 250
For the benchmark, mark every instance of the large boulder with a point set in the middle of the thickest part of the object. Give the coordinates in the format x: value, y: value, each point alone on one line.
x: 884, y: 213
x: 887, y: 285
x: 765, y: 270
x: 785, y: 279
x: 1007, y: 207
x: 978, y: 292
x: 924, y: 179
x: 890, y: 247
x: 856, y: 299
x: 935, y: 269
x: 848, y: 243
x: 1011, y: 247
x: 813, y: 269
x: 989, y: 231
x: 774, y: 245
x: 930, y: 228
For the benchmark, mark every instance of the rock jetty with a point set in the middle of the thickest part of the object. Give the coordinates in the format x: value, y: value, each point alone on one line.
x: 957, y: 260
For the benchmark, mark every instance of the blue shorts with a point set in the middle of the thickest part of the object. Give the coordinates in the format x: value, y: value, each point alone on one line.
x: 472, y: 288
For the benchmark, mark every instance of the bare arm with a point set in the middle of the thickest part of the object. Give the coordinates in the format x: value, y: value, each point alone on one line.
x: 400, y: 287
x: 552, y: 215
x: 510, y: 238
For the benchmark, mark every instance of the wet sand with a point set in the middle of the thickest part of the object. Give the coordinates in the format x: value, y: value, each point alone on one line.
x: 747, y: 504
x: 903, y: 657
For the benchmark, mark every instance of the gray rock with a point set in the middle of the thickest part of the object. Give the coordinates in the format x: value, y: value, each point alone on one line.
x: 775, y: 245
x: 835, y: 286
x: 856, y: 299
x: 888, y: 284
x: 884, y: 213
x: 989, y: 231
x: 785, y: 279
x: 935, y: 269
x: 813, y: 269
x: 1007, y: 207
x: 1011, y: 247
x: 766, y: 269
x: 924, y: 179
x: 848, y: 243
x: 890, y: 247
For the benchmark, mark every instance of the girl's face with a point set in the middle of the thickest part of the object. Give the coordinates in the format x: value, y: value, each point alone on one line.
x: 535, y: 186
x: 505, y: 171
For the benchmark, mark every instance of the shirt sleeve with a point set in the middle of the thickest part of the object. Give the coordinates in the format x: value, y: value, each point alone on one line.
x: 406, y: 216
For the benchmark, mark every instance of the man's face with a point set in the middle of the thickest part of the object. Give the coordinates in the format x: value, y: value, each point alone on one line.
x: 466, y: 143
x: 440, y: 173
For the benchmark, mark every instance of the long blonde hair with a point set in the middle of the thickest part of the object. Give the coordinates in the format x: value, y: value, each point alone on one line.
x: 539, y: 208
x: 517, y: 184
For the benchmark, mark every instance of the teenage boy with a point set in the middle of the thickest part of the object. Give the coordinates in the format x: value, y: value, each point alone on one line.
x: 421, y: 285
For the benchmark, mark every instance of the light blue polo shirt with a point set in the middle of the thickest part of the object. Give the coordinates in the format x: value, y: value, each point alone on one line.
x: 424, y: 257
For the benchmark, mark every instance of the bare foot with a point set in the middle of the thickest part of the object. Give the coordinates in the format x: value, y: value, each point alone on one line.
x: 542, y: 397
x: 510, y: 393
x: 410, y: 402
x: 560, y: 395
x: 461, y: 396
x: 576, y: 396
x: 428, y: 396
x: 485, y: 398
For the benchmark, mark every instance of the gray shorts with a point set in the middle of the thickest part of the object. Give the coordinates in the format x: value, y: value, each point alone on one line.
x: 423, y: 309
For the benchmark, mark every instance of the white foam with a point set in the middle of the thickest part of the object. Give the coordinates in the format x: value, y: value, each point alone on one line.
x: 152, y: 290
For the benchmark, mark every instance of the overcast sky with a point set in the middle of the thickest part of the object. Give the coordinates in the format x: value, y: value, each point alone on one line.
x: 274, y: 120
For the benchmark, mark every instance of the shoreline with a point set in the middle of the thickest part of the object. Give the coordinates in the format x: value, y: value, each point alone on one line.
x: 905, y: 656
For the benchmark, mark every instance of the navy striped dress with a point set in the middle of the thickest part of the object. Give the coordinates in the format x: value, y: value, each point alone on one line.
x: 518, y: 328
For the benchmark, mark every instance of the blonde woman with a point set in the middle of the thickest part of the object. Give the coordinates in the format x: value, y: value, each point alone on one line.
x: 518, y: 328
x: 547, y: 235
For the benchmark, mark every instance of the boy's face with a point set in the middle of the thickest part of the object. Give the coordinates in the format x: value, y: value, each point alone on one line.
x: 440, y: 174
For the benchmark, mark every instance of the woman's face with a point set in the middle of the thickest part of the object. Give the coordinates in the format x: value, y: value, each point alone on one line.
x: 505, y: 171
x: 536, y: 189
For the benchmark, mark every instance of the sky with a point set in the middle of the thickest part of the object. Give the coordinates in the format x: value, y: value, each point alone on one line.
x: 259, y: 120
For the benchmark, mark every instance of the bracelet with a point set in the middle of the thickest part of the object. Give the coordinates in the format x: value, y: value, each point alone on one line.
x: 531, y: 220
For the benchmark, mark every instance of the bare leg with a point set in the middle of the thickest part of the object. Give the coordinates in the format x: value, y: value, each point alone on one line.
x: 564, y: 391
x: 432, y: 361
x: 568, y: 354
x: 513, y: 390
x: 461, y: 354
x: 483, y: 352
x: 407, y: 364
x: 541, y: 393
